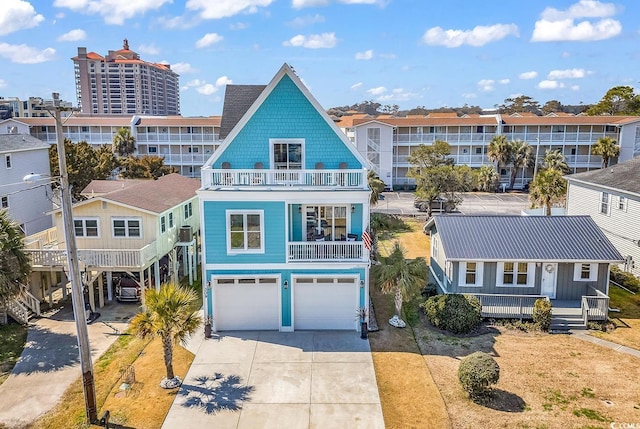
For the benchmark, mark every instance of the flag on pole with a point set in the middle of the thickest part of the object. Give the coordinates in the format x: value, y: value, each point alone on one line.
x: 366, y: 239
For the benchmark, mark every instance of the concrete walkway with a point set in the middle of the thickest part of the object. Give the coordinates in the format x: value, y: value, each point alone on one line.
x: 268, y: 380
x: 50, y: 362
x: 604, y: 343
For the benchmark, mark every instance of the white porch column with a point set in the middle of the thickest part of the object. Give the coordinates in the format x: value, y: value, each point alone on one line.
x: 156, y: 273
x: 109, y: 285
x: 92, y: 299
x: 101, y: 291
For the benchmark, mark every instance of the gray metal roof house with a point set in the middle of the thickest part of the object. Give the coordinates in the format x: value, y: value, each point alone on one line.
x: 510, y: 261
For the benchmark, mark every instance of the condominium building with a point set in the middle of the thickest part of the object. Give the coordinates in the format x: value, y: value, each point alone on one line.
x: 388, y: 141
x: 123, y: 84
x: 13, y: 107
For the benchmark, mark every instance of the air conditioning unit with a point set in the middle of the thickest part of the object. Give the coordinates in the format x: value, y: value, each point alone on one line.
x: 185, y: 234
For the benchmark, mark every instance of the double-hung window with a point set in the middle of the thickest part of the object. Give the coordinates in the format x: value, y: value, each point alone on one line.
x: 585, y: 272
x: 188, y: 210
x: 470, y: 273
x: 4, y: 202
x: 170, y: 220
x: 7, y: 161
x: 127, y: 227
x: 622, y: 203
x: 86, y: 227
x: 515, y: 274
x: 245, y: 231
x: 604, y: 203
x: 163, y: 224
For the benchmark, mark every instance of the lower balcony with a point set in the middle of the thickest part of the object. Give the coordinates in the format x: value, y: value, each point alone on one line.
x: 320, y: 251
x: 104, y: 258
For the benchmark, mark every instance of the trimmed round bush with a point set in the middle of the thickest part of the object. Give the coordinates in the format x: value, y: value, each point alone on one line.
x: 453, y: 312
x: 542, y: 313
x: 477, y: 372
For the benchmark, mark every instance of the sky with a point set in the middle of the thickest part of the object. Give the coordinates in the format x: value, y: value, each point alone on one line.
x: 395, y: 52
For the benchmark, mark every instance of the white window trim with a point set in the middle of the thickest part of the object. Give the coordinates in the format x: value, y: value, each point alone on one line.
x: 462, y: 274
x: 126, y: 228
x: 188, y: 210
x: 170, y: 221
x: 623, y: 202
x: 593, y: 273
x: 84, y: 226
x: 287, y: 141
x: 231, y: 251
x: 163, y: 223
x: 8, y: 160
x: 531, y: 273
x: 608, y: 203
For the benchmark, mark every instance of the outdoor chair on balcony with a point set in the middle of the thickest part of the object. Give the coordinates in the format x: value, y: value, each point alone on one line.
x: 317, y: 178
x: 258, y: 178
x: 226, y: 178
x: 342, y: 177
x: 352, y: 237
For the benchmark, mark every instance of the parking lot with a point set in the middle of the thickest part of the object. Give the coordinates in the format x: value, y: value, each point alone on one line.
x: 474, y: 203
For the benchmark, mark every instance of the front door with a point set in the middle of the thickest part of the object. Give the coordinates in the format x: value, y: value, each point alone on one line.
x: 549, y: 280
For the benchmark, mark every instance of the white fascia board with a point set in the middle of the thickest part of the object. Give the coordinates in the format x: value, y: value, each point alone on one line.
x: 292, y: 197
x: 294, y: 266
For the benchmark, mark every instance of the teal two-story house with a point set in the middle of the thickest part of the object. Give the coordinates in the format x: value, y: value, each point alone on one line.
x: 284, y: 205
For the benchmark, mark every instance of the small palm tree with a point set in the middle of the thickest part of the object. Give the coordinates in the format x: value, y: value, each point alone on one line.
x: 168, y: 314
x: 376, y: 185
x: 607, y: 148
x: 547, y: 188
x: 14, y: 263
x: 488, y: 178
x: 401, y: 277
x: 522, y: 158
x: 124, y: 144
x: 499, y: 151
x: 555, y: 160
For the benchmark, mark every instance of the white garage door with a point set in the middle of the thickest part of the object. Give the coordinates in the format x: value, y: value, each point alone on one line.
x: 325, y: 303
x: 246, y: 304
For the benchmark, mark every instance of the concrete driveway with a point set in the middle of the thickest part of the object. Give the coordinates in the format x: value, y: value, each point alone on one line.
x: 292, y: 380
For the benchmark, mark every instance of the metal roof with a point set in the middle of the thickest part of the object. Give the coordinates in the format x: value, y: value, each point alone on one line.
x: 624, y: 176
x: 237, y: 101
x: 524, y: 238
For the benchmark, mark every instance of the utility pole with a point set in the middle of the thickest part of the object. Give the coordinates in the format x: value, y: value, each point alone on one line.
x: 77, y: 294
x: 535, y: 166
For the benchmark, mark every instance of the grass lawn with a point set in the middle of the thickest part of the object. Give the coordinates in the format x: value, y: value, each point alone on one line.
x: 414, y: 241
x: 627, y: 321
x: 12, y: 340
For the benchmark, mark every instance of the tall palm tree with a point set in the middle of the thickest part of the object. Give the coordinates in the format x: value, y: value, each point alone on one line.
x: 607, y: 148
x: 555, y: 160
x: 376, y: 185
x: 547, y: 188
x: 14, y: 263
x: 168, y: 314
x: 488, y: 178
x: 522, y: 158
x: 124, y: 144
x: 401, y: 277
x: 499, y: 151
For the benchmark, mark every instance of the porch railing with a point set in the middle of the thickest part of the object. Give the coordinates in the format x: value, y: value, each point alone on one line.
x: 45, y: 238
x: 94, y: 257
x: 256, y: 177
x: 326, y: 251
x: 507, y: 306
x: 595, y: 307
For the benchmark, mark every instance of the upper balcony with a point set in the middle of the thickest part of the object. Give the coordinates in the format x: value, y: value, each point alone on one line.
x: 280, y: 178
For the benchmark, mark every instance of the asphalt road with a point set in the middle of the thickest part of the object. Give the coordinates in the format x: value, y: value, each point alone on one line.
x: 474, y: 203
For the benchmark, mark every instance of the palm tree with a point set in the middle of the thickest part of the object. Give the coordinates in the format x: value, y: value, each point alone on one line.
x: 376, y: 185
x: 124, y: 144
x: 522, y: 157
x: 14, y: 263
x: 488, y: 178
x: 400, y: 277
x: 555, y: 160
x: 547, y: 188
x: 168, y: 314
x: 499, y: 151
x: 607, y: 148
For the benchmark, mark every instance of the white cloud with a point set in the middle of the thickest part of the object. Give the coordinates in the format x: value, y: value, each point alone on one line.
x: 238, y: 26
x: 299, y: 4
x: 179, y: 22
x: 550, y: 84
x: 479, y: 36
x: 303, y: 21
x: 567, y: 74
x: 469, y: 95
x: 217, y: 9
x: 208, y: 40
x: 112, y: 11
x: 182, y: 68
x: 504, y: 81
x: 18, y: 15
x: 575, y: 87
x: 223, y: 81
x: 356, y: 85
x: 313, y: 41
x: 397, y: 94
x: 486, y: 85
x: 528, y: 75
x: 377, y: 91
x: 366, y: 55
x: 558, y: 25
x: 72, y: 36
x: 3, y: 83
x: 23, y: 54
x: 149, y: 49
x: 207, y: 89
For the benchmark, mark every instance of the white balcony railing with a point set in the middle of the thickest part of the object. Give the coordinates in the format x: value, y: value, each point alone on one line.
x: 121, y: 258
x: 353, y: 179
x: 326, y: 251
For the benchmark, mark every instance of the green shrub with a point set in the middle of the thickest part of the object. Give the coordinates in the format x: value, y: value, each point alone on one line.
x: 477, y: 372
x: 453, y: 312
x: 542, y: 313
x: 625, y: 279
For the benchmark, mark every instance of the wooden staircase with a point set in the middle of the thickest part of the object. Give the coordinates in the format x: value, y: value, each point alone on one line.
x: 21, y: 309
x: 567, y: 317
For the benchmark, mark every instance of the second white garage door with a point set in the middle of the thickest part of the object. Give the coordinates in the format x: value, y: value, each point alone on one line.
x: 325, y: 303
x: 246, y: 304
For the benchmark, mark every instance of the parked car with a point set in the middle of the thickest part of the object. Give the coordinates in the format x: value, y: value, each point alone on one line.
x: 439, y: 205
x: 128, y: 289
